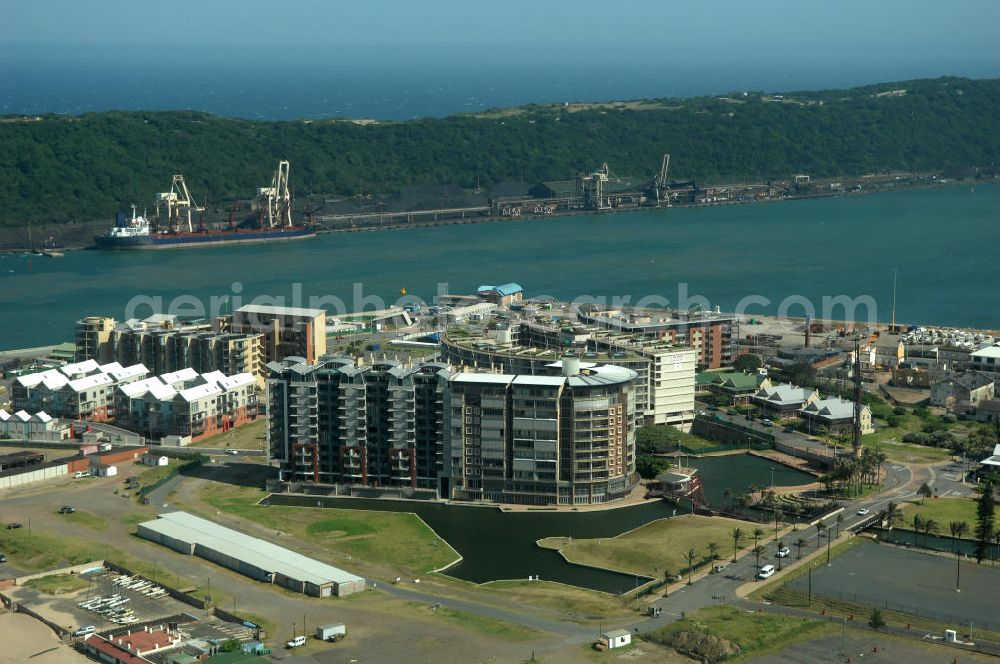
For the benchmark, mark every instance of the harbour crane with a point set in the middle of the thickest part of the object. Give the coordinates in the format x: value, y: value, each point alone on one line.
x: 660, y: 184
x: 274, y: 203
x: 178, y: 203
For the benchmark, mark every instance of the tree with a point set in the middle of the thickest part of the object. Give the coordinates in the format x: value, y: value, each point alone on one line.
x: 823, y: 530
x: 758, y: 551
x: 691, y: 556
x: 840, y: 520
x: 892, y: 514
x: 877, y: 621
x: 800, y: 542
x: 985, y: 527
x: 747, y: 363
x: 778, y: 516
x: 757, y: 534
x: 930, y: 528
x: 957, y: 528
x: 781, y: 545
x: 737, y: 534
x: 918, y: 526
x: 925, y: 491
x: 713, y: 550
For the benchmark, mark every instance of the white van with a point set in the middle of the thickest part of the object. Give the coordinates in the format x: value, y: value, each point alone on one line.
x: 83, y: 631
x: 765, y: 572
x: 296, y: 642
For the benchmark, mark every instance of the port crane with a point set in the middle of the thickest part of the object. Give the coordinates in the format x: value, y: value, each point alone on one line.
x: 274, y: 203
x: 178, y: 203
x: 660, y: 184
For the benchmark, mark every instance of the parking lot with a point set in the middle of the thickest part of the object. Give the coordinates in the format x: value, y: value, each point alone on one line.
x: 105, y: 603
x: 910, y: 582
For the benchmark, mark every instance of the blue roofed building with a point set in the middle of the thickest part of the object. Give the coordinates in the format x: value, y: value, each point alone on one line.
x: 502, y: 295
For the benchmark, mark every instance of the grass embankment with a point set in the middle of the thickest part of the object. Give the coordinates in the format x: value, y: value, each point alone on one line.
x: 251, y: 436
x: 151, y: 476
x: 647, y: 549
x: 489, y: 627
x: 86, y: 519
x: 942, y: 510
x: 572, y: 603
x: 43, y: 550
x: 57, y: 584
x: 400, y: 541
x: 754, y: 633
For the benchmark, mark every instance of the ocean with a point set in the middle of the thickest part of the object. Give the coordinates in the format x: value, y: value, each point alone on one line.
x: 763, y: 257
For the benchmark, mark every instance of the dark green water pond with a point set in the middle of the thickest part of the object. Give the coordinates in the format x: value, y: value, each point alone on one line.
x: 501, y: 545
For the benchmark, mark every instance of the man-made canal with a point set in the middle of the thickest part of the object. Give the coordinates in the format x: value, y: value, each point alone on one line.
x: 501, y: 545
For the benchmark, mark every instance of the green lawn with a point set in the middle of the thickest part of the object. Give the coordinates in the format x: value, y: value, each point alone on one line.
x: 39, y: 550
x: 251, y: 436
x: 400, y: 541
x: 891, y: 445
x: 647, y: 549
x: 87, y: 519
x: 152, y: 475
x: 575, y: 604
x: 942, y: 510
x: 57, y: 584
x: 489, y: 627
x: 754, y: 633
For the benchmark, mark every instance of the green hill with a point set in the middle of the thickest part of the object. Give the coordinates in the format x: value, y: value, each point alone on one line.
x: 62, y: 168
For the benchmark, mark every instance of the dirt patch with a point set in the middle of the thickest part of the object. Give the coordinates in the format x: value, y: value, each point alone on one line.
x: 703, y: 647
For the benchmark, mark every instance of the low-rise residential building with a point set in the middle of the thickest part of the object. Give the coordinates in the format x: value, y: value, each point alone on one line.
x: 737, y: 387
x: 503, y: 295
x: 963, y: 392
x: 988, y: 410
x: 836, y: 414
x: 80, y: 391
x: 186, y: 404
x: 783, y: 400
x: 986, y: 360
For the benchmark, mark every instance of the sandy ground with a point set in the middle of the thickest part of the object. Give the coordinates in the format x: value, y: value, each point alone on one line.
x: 25, y: 639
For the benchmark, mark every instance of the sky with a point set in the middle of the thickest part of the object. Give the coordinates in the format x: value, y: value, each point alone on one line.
x: 915, y: 29
x: 407, y: 58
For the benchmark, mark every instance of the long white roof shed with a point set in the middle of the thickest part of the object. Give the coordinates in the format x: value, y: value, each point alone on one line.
x: 205, y: 537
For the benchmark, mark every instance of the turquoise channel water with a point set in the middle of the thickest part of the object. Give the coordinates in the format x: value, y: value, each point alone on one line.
x: 939, y: 240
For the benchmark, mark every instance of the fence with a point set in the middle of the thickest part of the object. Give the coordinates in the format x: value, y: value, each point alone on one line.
x: 173, y: 592
x: 197, y: 460
x: 874, y: 602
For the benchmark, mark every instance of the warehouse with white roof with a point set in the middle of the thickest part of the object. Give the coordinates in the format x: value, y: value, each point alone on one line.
x: 256, y: 558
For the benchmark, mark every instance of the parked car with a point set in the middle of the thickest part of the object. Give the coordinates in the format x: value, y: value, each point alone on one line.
x: 766, y: 422
x: 863, y: 511
x: 66, y: 509
x: 83, y: 631
x: 790, y: 428
x: 765, y: 572
x: 784, y: 552
x: 13, y: 526
x: 713, y: 407
x: 230, y: 451
x: 296, y: 642
x: 718, y: 567
x: 3, y: 558
x: 81, y: 473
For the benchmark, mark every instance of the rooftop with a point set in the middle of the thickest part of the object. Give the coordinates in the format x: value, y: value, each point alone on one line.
x: 281, y: 311
x: 260, y: 553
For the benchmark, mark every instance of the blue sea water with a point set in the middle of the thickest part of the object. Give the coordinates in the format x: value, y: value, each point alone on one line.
x: 321, y: 82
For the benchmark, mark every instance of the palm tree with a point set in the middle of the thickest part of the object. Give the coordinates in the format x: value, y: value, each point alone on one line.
x: 958, y: 529
x: 691, y: 556
x: 737, y: 534
x: 918, y: 525
x: 892, y: 514
x: 930, y: 528
x: 713, y: 550
x: 840, y: 520
x: 757, y: 534
x: 800, y: 542
x: 758, y: 551
x: 778, y: 516
x: 820, y: 527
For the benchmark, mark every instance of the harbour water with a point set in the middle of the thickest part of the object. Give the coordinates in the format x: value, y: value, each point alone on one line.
x: 499, y: 545
x: 793, y: 252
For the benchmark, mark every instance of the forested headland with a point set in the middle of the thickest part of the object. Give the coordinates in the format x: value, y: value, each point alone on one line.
x: 78, y: 168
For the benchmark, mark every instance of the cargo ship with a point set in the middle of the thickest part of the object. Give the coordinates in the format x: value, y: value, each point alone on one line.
x: 273, y: 223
